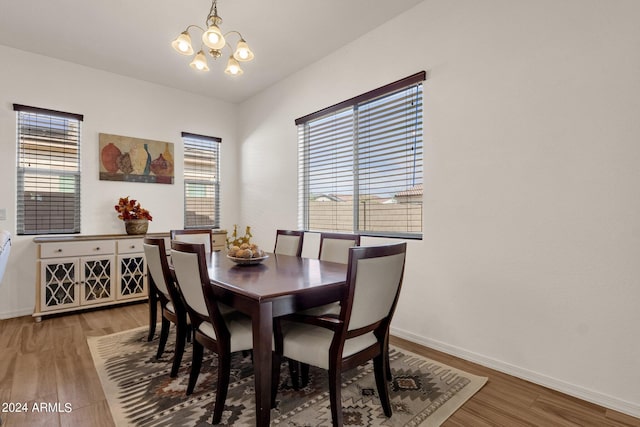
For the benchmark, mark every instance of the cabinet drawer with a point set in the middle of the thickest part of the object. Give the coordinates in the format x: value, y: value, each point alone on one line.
x: 130, y: 246
x: 67, y: 249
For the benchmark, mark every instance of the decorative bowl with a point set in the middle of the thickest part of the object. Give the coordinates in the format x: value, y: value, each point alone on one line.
x: 247, y: 261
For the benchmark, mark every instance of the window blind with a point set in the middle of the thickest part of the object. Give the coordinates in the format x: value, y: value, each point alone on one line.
x: 201, y: 181
x: 360, y: 163
x: 48, y: 181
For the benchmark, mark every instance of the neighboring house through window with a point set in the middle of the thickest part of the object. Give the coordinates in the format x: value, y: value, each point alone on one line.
x: 360, y: 163
x: 48, y: 184
x: 201, y: 181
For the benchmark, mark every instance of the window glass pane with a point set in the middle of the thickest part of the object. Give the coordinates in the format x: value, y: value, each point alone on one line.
x: 48, y: 168
x: 360, y: 167
x: 201, y: 181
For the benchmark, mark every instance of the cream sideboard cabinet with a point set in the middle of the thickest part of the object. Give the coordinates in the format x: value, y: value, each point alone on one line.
x: 80, y: 272
x: 218, y: 239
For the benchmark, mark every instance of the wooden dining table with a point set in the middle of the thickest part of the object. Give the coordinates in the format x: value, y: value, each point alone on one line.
x: 280, y: 285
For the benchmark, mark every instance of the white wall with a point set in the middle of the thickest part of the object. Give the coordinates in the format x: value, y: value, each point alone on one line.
x: 110, y: 104
x: 529, y: 261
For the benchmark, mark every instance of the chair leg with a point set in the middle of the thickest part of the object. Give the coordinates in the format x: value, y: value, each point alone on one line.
x: 196, y: 363
x: 181, y: 337
x: 246, y: 353
x: 388, y: 370
x: 335, y: 397
x: 379, y: 369
x: 388, y: 365
x: 224, y: 371
x: 153, y: 314
x: 304, y: 374
x: 164, y: 334
x: 294, y: 373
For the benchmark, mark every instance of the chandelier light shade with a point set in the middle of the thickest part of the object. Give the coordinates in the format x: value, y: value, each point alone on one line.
x: 214, y: 41
x: 213, y: 38
x: 243, y: 53
x: 233, y: 67
x: 200, y: 62
x: 182, y: 44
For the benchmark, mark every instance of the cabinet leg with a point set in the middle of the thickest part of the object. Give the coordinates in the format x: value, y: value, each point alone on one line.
x: 38, y: 319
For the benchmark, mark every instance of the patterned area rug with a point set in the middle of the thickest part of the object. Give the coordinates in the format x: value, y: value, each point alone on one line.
x: 141, y: 393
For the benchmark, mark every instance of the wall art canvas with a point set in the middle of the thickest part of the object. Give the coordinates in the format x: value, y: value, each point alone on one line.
x: 123, y: 158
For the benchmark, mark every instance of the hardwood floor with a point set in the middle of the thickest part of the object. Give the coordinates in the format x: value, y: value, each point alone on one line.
x: 509, y: 401
x: 50, y: 363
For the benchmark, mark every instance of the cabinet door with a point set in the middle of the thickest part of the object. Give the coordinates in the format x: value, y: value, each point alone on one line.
x: 96, y: 285
x: 59, y: 283
x: 132, y: 276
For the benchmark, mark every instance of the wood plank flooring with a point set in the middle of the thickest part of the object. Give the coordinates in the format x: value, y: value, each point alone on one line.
x: 50, y: 362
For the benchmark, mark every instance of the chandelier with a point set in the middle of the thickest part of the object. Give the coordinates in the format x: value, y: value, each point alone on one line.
x: 214, y: 41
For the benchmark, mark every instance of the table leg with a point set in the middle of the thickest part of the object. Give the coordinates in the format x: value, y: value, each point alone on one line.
x: 262, y: 322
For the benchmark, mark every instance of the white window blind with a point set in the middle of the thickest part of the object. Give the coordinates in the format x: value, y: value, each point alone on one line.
x: 48, y: 182
x: 360, y: 163
x: 201, y: 181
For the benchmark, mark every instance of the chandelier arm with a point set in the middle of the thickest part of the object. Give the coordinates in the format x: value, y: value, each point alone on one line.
x: 233, y: 31
x: 194, y: 25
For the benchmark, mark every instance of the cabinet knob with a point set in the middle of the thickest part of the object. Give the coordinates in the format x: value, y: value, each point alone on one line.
x: 133, y: 246
x: 98, y: 248
x: 58, y: 250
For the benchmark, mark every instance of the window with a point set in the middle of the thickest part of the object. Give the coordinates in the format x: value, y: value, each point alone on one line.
x: 201, y: 181
x: 360, y: 163
x: 48, y: 171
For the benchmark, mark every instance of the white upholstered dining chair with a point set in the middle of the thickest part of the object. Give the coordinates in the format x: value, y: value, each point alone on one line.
x: 359, y: 332
x: 193, y: 235
x: 334, y: 247
x: 289, y: 242
x: 173, y: 310
x: 217, y: 327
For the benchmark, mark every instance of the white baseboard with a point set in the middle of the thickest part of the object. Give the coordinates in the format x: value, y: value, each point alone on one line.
x: 592, y: 396
x: 16, y: 313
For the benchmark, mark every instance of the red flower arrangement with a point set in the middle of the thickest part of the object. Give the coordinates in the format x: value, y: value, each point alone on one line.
x: 131, y: 209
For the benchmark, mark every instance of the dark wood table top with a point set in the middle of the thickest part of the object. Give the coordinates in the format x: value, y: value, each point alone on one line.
x: 277, y: 276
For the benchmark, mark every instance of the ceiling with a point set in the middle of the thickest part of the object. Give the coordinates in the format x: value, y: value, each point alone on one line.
x: 133, y: 37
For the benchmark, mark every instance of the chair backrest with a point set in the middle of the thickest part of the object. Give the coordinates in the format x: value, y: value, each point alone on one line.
x: 289, y: 242
x: 157, y: 265
x: 195, y: 235
x: 334, y: 247
x: 190, y: 265
x: 188, y: 269
x: 374, y: 279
